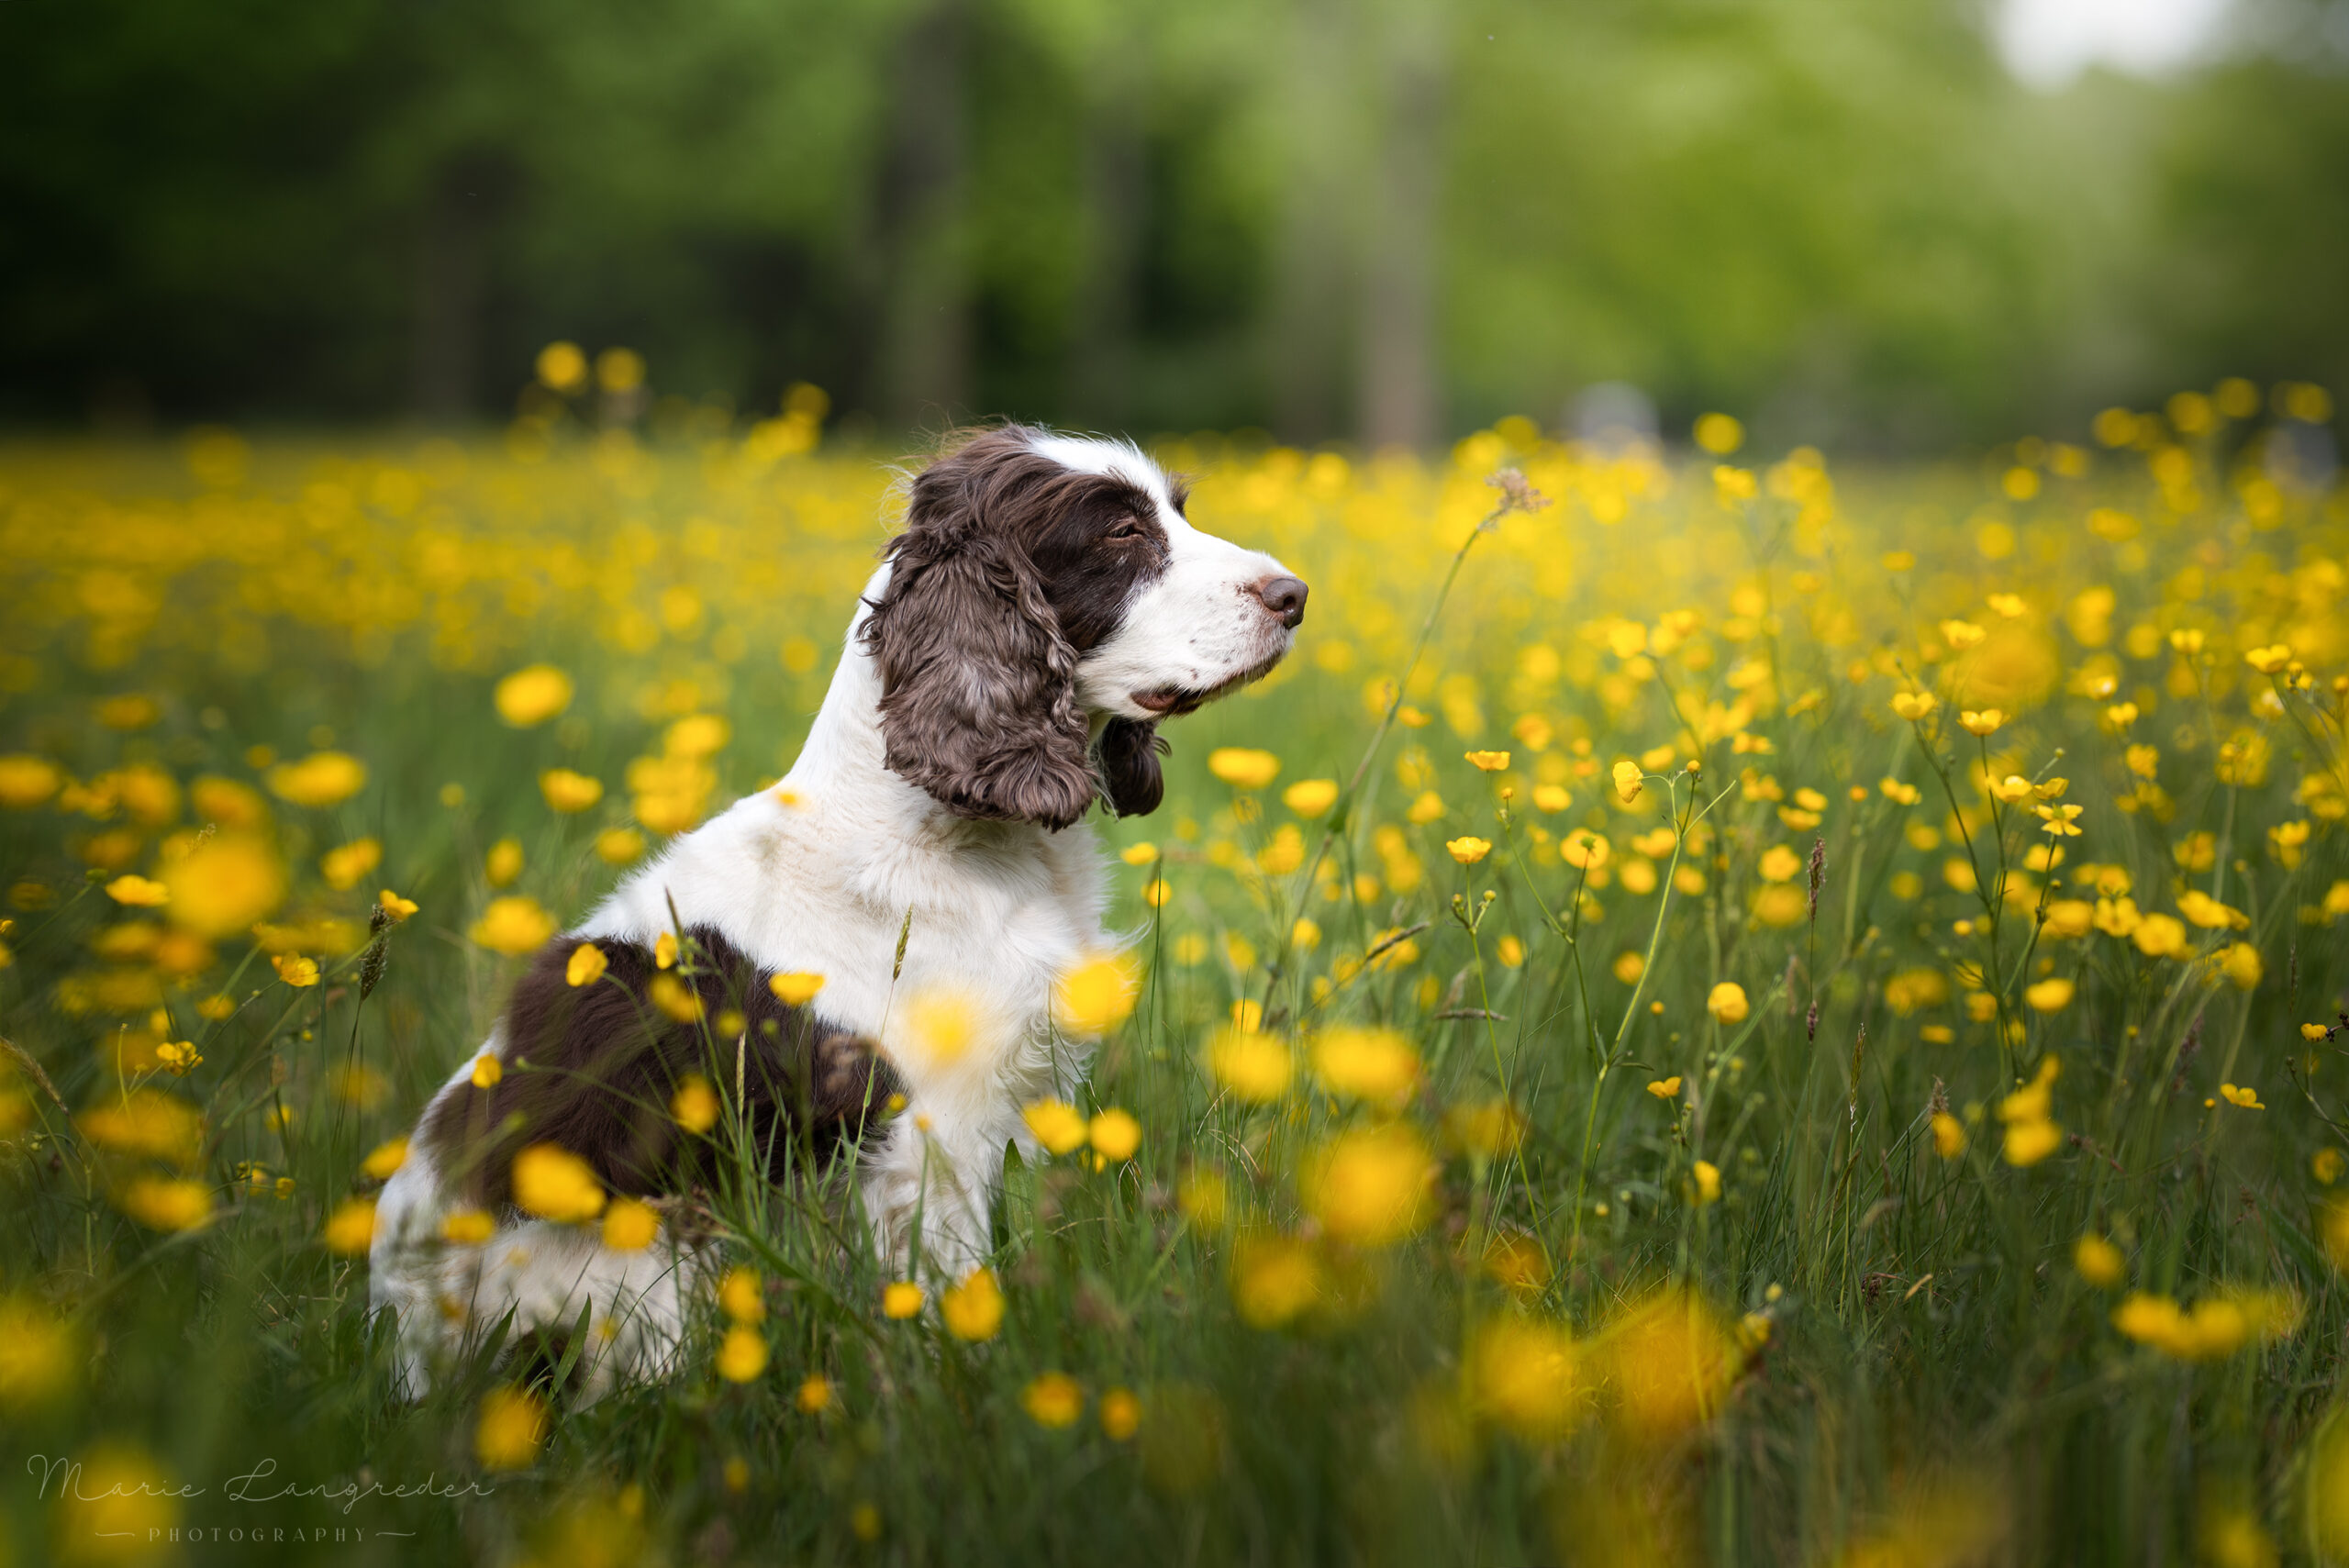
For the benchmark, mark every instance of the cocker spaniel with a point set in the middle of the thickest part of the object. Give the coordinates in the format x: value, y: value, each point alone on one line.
x: 1045, y: 607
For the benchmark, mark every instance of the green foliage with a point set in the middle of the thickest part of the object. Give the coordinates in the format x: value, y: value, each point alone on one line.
x: 1839, y: 218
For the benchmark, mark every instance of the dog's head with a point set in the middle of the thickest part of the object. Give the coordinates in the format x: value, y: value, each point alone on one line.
x: 1043, y: 584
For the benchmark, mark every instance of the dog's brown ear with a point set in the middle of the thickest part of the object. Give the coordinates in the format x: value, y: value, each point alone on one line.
x: 979, y: 686
x: 1130, y: 749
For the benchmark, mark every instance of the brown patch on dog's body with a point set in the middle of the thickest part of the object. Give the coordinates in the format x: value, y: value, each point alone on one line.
x: 594, y: 1068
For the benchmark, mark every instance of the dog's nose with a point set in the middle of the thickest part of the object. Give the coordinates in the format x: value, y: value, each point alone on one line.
x: 1284, y: 596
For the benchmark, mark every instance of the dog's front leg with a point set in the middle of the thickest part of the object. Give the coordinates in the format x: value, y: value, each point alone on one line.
x: 929, y: 1195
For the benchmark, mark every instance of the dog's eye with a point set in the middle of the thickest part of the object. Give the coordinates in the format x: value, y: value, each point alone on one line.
x: 1124, y: 530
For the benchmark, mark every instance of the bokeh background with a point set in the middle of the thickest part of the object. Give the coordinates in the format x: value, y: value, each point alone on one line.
x: 1878, y: 224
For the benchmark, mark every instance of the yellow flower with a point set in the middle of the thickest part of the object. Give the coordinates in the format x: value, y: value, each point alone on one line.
x: 532, y: 695
x: 137, y: 892
x: 2326, y: 1165
x: 2161, y: 935
x: 511, y: 1426
x: 619, y: 846
x: 1469, y: 850
x: 26, y: 780
x: 1121, y: 1414
x: 503, y: 863
x: 320, y: 780
x: 2210, y: 914
x: 2245, y: 1097
x: 488, y: 1070
x: 1522, y: 1374
x: 569, y: 792
x: 2314, y: 1032
x: 2242, y: 966
x: 468, y: 1227
x: 1425, y: 809
x: 1628, y: 782
x: 741, y: 1296
x: 1058, y: 1126
x: 942, y: 1024
x: 674, y: 999
x: 344, y: 866
x: 1779, y: 864
x: 1098, y: 995
x: 1138, y: 854
x: 1960, y: 635
x: 2270, y: 660
x: 1949, y: 1136
x: 1373, y: 1064
x: 2052, y: 995
x: 1054, y: 1400
x: 1551, y: 798
x: 37, y: 1352
x: 294, y: 971
x: 513, y: 924
x: 973, y: 1308
x: 2032, y: 1101
x: 2008, y: 606
x: 1914, y: 706
x: 1665, y: 1088
x: 350, y: 1229
x: 1254, y: 1067
x: 695, y: 1105
x: 563, y: 367
x: 1709, y: 1182
x: 1986, y: 722
x: 2099, y: 1262
x: 2011, y: 788
x: 1719, y: 434
x: 1311, y: 797
x: 1114, y: 1134
x: 1370, y: 1187
x: 384, y: 1159
x: 1487, y: 761
x: 2213, y: 1329
x: 552, y: 1183
x: 1273, y: 1279
x: 2059, y: 821
x: 631, y: 1225
x: 586, y: 966
x: 165, y: 1203
x: 1727, y: 1003
x: 814, y: 1396
x: 901, y: 1299
x: 664, y: 950
x: 2029, y: 1142
x: 795, y: 988
x: 1241, y: 767
x: 391, y: 903
x: 224, y: 886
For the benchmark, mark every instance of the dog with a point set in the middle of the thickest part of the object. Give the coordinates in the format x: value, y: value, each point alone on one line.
x: 1045, y: 607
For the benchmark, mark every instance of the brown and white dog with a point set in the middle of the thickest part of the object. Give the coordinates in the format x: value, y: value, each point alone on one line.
x: 1045, y: 607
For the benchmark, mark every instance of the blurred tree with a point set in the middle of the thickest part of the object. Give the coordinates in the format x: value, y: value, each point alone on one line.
x: 1377, y: 220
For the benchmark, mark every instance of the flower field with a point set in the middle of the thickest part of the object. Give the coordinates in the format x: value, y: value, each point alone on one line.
x: 1721, y: 1007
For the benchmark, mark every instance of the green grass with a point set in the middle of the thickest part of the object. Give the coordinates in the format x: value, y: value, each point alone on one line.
x: 1923, y: 1374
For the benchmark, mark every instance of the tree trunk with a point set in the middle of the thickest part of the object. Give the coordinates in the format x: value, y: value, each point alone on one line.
x: 925, y: 347
x: 1318, y: 231
x: 452, y: 285
x: 1102, y: 354
x: 1396, y: 357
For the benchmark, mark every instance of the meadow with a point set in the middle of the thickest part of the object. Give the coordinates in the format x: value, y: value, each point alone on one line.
x: 1721, y: 1007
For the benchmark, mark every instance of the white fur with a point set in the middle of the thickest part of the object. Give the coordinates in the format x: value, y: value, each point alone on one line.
x: 818, y: 874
